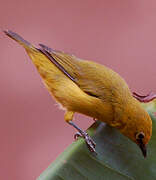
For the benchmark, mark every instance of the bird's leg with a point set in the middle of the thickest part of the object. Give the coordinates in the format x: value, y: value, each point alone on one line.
x: 90, y: 143
x: 78, y: 134
x: 145, y: 99
x: 94, y: 119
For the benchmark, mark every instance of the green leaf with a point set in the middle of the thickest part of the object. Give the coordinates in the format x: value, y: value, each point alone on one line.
x: 118, y: 158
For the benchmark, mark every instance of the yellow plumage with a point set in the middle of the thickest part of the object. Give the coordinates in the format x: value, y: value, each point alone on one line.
x: 89, y: 88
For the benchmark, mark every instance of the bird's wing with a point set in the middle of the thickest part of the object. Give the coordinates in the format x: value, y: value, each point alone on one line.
x: 94, y: 79
x: 82, y: 72
x: 65, y: 62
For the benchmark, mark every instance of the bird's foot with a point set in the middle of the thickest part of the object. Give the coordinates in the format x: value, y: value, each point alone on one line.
x: 77, y: 135
x: 90, y: 143
x: 94, y: 119
x: 145, y: 99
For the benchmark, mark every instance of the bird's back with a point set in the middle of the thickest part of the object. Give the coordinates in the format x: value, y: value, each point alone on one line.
x: 93, y: 78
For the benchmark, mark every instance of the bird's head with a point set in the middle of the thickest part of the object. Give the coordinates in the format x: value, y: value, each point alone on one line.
x: 138, y: 126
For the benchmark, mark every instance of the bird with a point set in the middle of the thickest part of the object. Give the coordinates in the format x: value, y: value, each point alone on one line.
x: 92, y: 89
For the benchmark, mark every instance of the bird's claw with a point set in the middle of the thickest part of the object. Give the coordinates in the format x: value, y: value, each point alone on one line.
x: 145, y: 99
x: 77, y: 135
x: 90, y: 143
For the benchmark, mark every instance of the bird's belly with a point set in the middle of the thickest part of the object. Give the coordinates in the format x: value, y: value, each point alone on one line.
x: 72, y: 98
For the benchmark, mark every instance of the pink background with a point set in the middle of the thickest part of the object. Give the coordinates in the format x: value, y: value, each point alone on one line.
x: 120, y: 34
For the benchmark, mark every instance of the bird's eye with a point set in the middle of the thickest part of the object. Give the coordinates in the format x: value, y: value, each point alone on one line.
x: 140, y: 135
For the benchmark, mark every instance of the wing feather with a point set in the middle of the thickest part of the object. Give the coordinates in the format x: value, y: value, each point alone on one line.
x: 94, y: 79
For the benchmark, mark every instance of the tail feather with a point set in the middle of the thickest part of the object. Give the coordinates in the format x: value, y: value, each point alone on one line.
x: 44, y: 50
x: 19, y: 39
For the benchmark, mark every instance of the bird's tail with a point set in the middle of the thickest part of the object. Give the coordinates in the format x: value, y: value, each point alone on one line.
x: 27, y: 45
x: 45, y: 59
x: 45, y: 63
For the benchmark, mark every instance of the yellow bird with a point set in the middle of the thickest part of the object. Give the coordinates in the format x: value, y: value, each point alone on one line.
x: 91, y: 89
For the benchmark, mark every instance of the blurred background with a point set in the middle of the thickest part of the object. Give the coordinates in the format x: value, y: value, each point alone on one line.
x: 119, y: 34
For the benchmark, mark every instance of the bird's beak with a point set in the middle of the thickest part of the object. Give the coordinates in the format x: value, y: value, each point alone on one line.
x: 143, y: 149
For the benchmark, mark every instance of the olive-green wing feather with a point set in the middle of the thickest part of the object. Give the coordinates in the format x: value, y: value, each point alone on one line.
x: 83, y: 73
x: 94, y: 79
x: 86, y: 74
x: 57, y: 64
x: 65, y: 62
